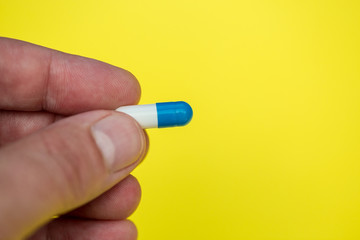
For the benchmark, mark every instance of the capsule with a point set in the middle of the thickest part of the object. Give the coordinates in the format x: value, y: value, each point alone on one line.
x: 160, y: 115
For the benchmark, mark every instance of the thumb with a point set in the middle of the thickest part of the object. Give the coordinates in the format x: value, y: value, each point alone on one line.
x: 64, y: 166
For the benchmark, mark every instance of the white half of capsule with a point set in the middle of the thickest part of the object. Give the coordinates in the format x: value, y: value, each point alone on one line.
x: 145, y: 115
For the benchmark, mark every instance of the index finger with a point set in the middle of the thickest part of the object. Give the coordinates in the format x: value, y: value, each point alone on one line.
x: 35, y: 78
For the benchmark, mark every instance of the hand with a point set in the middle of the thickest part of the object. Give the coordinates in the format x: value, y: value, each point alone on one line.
x: 61, y: 156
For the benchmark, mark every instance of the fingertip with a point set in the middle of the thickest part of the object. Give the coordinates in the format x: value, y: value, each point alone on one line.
x: 120, y: 140
x: 132, y: 196
x: 131, y: 230
x: 128, y: 89
x: 134, y: 88
x: 117, y: 203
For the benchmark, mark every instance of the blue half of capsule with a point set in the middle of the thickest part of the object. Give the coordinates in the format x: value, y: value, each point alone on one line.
x: 172, y: 114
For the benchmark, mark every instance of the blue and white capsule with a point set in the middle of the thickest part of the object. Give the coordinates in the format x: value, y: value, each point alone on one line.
x: 160, y: 115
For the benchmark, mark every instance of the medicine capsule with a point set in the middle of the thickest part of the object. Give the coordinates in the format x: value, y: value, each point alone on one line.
x: 160, y: 115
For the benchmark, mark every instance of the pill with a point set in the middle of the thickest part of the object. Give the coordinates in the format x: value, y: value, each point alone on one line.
x: 159, y: 115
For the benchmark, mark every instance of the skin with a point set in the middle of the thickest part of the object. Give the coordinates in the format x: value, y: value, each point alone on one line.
x: 59, y: 154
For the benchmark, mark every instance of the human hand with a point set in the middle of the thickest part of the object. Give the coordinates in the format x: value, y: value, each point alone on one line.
x: 59, y: 155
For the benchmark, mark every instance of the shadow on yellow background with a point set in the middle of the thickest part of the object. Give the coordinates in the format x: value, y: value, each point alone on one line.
x: 273, y: 151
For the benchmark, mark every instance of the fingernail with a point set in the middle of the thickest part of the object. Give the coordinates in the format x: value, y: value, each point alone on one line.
x: 120, y: 141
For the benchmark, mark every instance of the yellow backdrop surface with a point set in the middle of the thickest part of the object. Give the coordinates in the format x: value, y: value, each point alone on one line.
x: 273, y: 151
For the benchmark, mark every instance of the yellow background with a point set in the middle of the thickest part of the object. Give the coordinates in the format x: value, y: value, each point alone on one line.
x: 273, y: 151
